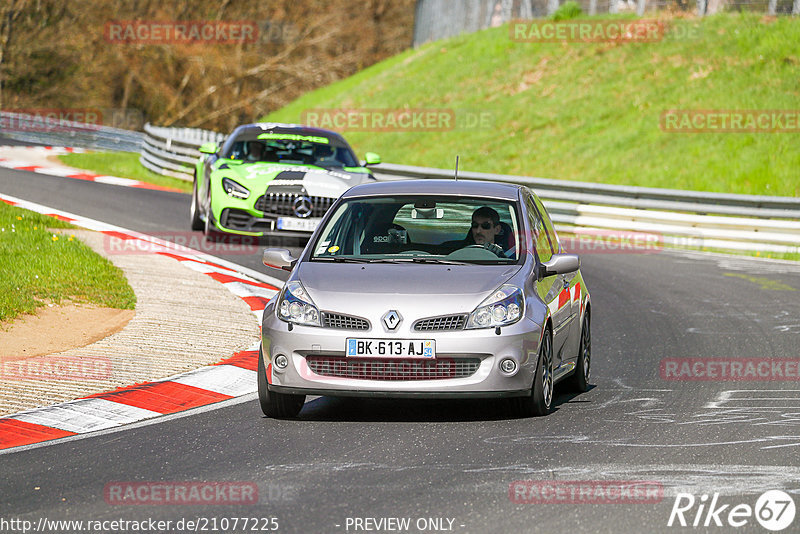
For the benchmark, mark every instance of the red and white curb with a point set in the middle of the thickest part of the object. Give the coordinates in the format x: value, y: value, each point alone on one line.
x: 53, y: 169
x: 232, y: 377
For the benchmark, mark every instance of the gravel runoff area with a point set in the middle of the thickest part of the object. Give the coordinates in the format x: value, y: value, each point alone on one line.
x: 184, y: 320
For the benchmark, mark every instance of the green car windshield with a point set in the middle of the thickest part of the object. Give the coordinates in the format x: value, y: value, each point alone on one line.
x: 292, y: 149
x: 421, y: 229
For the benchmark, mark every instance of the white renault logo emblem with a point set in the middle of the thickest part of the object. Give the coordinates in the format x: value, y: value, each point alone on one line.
x: 392, y: 319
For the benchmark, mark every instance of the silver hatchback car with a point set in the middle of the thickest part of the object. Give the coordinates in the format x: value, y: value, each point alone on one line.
x: 427, y: 288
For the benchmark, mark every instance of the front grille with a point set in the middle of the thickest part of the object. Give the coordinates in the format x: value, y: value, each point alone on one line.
x: 346, y: 322
x: 282, y: 204
x: 446, y: 322
x: 393, y: 368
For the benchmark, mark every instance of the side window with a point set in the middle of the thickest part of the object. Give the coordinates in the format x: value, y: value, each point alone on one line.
x: 539, y: 238
x: 548, y: 226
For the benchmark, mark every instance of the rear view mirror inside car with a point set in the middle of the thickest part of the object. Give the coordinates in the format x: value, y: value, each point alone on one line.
x: 427, y: 213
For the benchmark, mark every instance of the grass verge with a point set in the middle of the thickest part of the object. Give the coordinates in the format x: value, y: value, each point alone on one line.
x: 38, y: 266
x: 124, y: 165
x: 588, y: 111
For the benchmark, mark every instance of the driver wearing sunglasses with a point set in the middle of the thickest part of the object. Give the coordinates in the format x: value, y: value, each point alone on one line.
x: 485, y: 225
x: 485, y: 229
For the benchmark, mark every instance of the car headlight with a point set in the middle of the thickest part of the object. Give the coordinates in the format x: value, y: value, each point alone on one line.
x: 235, y: 189
x: 296, y: 306
x: 503, y: 307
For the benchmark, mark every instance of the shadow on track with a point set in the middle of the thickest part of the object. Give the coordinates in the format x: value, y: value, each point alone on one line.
x: 357, y: 409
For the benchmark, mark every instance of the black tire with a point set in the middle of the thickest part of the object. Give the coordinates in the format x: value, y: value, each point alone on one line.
x: 541, y: 398
x: 276, y: 405
x: 579, y: 380
x: 197, y: 222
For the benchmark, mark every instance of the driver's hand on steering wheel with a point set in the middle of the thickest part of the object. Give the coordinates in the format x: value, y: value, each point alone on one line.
x: 494, y: 248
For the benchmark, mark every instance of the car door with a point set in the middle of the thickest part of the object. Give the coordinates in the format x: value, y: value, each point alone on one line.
x: 553, y: 290
x: 569, y: 303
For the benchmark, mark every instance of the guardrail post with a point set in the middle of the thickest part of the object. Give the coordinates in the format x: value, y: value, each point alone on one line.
x: 772, y: 7
x: 796, y: 7
x: 701, y: 7
x: 640, y: 7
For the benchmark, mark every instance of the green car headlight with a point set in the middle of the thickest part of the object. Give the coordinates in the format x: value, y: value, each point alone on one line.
x: 503, y: 307
x: 234, y: 189
x: 296, y: 306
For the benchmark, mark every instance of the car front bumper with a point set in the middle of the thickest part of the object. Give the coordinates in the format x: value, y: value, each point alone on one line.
x: 457, y: 353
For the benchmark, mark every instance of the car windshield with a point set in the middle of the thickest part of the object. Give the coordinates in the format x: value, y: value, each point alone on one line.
x: 421, y: 229
x: 292, y: 149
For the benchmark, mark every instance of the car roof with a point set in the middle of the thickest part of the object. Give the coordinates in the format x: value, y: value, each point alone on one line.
x: 279, y: 127
x: 467, y: 188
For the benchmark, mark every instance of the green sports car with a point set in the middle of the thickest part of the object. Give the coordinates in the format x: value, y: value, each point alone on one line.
x: 273, y: 179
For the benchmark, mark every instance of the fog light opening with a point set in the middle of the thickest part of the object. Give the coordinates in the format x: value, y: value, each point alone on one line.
x: 508, y: 366
x: 280, y: 362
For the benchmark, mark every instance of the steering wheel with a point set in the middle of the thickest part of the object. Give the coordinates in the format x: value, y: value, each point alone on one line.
x: 494, y: 248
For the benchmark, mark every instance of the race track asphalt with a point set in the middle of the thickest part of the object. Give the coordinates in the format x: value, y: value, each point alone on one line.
x: 456, y: 460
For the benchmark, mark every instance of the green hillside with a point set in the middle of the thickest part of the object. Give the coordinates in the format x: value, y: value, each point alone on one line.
x: 590, y: 111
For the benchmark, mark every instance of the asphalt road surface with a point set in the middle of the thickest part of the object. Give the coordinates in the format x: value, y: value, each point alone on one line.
x: 350, y: 465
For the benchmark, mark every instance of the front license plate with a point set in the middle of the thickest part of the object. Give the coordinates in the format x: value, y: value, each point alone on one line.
x: 301, y: 225
x: 391, y: 348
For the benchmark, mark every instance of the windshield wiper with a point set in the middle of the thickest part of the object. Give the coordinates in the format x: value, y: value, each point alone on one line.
x: 423, y: 259
x: 342, y: 259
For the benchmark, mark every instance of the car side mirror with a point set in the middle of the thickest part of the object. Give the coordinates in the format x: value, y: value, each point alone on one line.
x: 372, y: 158
x: 278, y: 258
x: 208, y: 148
x: 559, y: 264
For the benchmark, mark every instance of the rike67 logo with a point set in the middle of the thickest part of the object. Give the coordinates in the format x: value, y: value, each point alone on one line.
x: 774, y: 510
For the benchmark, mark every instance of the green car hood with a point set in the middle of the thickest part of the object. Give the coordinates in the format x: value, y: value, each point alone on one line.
x: 315, y: 181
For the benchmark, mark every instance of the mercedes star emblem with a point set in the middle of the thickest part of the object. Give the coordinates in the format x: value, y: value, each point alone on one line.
x: 303, y: 207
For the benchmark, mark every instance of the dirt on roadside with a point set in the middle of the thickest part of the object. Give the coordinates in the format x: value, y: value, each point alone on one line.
x: 58, y: 328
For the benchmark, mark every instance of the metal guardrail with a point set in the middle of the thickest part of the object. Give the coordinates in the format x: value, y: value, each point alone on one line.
x: 174, y: 151
x: 56, y: 132
x: 681, y: 218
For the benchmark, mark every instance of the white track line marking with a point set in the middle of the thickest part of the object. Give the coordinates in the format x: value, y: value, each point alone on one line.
x: 85, y: 415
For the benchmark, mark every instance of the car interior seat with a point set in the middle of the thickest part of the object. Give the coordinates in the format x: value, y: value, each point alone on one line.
x: 387, y: 239
x: 506, y: 237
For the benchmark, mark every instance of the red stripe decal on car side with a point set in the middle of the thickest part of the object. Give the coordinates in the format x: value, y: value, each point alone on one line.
x: 563, y: 297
